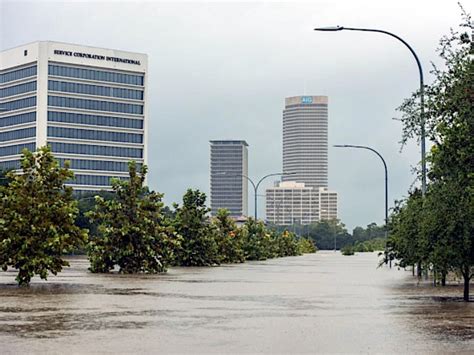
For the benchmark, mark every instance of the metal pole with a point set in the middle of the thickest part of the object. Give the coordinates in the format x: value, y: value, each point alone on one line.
x: 422, y: 92
x: 386, y: 177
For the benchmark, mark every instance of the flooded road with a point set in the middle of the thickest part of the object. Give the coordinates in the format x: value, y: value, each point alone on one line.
x: 322, y: 303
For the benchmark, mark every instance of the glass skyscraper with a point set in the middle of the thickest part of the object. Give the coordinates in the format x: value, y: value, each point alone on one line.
x: 87, y: 103
x: 229, y: 164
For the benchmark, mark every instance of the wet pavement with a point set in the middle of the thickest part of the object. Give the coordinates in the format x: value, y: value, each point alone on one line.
x: 320, y: 303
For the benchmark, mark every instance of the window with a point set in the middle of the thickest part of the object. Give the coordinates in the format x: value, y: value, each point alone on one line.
x: 94, y: 135
x: 10, y: 165
x: 88, y: 149
x: 18, y: 74
x: 95, y: 90
x: 95, y: 105
x: 98, y: 75
x: 17, y: 119
x: 18, y: 89
x: 84, y: 164
x: 93, y: 180
x: 16, y: 149
x: 17, y: 134
x: 94, y: 120
x: 19, y: 104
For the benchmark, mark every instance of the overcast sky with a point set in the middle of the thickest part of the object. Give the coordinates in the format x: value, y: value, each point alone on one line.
x: 222, y: 70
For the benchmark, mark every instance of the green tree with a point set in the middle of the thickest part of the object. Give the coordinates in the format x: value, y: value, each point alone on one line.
x: 199, y: 247
x: 258, y: 244
x: 132, y: 232
x: 286, y: 244
x: 229, y: 238
x: 448, y: 216
x: 306, y: 246
x: 329, y: 232
x: 37, y: 213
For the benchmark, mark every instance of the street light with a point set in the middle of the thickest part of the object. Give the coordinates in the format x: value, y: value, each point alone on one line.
x: 386, y: 177
x: 255, y: 186
x: 422, y: 91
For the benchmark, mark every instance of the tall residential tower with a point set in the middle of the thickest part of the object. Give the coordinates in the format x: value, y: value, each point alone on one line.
x: 229, y: 166
x: 87, y: 103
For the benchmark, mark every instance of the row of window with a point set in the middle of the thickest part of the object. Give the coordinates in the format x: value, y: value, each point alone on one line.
x: 10, y: 165
x: 94, y: 135
x: 99, y: 75
x: 95, y: 90
x: 93, y: 180
x: 87, y: 149
x: 95, y: 105
x: 16, y: 149
x: 18, y: 89
x: 94, y: 120
x: 103, y: 165
x: 19, y: 104
x: 18, y: 74
x: 18, y: 119
x: 17, y: 134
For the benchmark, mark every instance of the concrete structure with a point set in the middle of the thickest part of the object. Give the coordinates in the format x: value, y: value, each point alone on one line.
x: 291, y: 202
x: 229, y: 162
x: 87, y: 103
x: 305, y: 140
x: 303, y: 196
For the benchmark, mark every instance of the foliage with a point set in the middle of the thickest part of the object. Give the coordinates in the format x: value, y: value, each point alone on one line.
x: 286, y: 244
x: 257, y: 241
x: 306, y: 246
x: 329, y: 234
x: 370, y: 245
x: 199, y: 246
x: 347, y: 250
x: 37, y: 213
x: 442, y: 225
x: 229, y: 238
x: 132, y: 232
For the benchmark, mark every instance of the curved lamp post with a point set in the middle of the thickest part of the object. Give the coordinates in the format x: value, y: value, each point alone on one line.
x: 255, y: 186
x: 422, y: 91
x: 386, y: 178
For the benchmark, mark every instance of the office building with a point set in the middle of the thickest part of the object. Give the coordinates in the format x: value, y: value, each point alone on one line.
x: 292, y: 202
x: 303, y: 196
x: 87, y: 103
x: 229, y: 166
x: 305, y: 140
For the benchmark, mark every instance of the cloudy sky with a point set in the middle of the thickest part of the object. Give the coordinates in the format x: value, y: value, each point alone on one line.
x: 221, y: 70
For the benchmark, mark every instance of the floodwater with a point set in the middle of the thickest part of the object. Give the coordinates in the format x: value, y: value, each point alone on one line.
x: 320, y: 303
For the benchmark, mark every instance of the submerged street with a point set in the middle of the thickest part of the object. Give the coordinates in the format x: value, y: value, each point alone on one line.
x: 322, y: 302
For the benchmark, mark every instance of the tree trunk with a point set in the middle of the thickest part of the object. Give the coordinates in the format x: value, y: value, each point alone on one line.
x: 418, y: 270
x: 466, y: 274
x: 443, y: 278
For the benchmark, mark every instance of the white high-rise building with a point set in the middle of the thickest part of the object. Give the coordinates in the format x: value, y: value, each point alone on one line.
x: 303, y: 196
x: 229, y: 185
x: 87, y: 103
x: 305, y: 140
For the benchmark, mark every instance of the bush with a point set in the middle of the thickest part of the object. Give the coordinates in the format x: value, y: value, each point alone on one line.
x: 347, y: 250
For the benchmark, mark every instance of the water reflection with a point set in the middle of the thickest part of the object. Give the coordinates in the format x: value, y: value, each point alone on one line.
x: 315, y: 303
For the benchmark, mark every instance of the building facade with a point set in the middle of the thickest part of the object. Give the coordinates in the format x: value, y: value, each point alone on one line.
x: 88, y: 104
x: 305, y: 140
x: 229, y: 165
x: 292, y: 202
x: 303, y: 196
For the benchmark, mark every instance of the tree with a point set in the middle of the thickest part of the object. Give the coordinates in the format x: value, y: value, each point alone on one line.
x: 286, y: 244
x: 330, y: 233
x: 228, y: 238
x: 37, y: 213
x: 199, y: 247
x: 448, y: 215
x: 306, y: 246
x: 132, y: 232
x: 257, y: 241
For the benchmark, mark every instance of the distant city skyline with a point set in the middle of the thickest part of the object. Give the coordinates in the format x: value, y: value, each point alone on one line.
x: 221, y: 70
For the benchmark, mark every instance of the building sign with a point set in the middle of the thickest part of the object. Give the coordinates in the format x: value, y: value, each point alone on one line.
x: 97, y: 57
x: 306, y: 99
